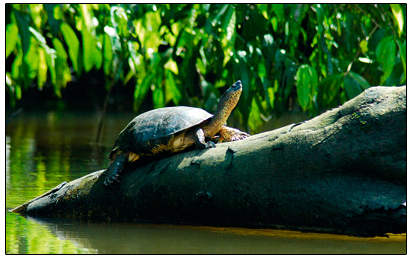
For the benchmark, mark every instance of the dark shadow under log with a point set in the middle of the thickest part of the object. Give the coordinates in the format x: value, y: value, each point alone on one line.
x: 342, y: 172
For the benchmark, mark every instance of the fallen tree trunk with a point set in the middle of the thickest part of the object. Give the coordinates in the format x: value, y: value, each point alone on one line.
x: 341, y: 172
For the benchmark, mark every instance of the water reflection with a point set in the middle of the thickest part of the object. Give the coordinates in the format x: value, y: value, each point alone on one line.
x: 131, y: 238
x: 44, y: 149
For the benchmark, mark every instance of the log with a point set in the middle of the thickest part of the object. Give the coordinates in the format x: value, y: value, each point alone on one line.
x: 341, y: 172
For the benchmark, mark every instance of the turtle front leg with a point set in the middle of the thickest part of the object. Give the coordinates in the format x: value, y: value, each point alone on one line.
x: 200, y: 140
x: 229, y: 134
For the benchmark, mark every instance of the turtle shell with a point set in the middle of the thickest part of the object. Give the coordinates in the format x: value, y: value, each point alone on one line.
x: 156, y: 127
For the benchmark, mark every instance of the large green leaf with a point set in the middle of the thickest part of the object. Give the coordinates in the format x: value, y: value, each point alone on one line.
x: 385, y: 53
x: 108, y: 54
x: 23, y: 25
x: 25, y: 39
x: 307, y: 82
x: 42, y: 72
x: 73, y: 44
x: 12, y: 36
x: 279, y: 11
x: 92, y: 56
x: 30, y: 59
x: 62, y: 69
x: 50, y: 57
x: 229, y: 23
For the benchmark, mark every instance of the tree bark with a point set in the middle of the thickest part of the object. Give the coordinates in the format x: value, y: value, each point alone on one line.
x: 341, y: 172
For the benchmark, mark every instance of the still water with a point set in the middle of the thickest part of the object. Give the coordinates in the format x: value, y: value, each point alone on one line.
x: 45, y: 149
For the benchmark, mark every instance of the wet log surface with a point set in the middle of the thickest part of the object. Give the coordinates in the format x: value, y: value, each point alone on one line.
x: 342, y: 172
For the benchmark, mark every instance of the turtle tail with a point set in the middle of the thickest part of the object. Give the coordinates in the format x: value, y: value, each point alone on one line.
x: 113, y: 171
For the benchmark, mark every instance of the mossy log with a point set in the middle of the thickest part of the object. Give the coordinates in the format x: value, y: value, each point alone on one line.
x: 342, y: 172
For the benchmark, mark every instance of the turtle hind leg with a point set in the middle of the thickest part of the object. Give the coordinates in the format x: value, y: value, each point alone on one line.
x: 117, y: 165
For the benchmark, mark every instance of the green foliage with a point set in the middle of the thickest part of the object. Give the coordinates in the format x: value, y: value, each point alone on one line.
x: 316, y: 55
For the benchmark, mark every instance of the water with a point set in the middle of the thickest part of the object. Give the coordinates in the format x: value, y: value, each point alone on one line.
x: 45, y: 149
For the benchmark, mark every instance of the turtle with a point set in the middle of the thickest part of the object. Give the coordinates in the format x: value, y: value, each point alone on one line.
x: 172, y: 130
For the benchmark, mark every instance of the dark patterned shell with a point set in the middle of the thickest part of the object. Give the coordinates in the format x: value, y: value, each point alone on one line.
x: 157, y: 126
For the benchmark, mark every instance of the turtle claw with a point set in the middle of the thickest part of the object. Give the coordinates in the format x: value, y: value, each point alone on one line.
x: 110, y: 180
x: 239, y: 136
x: 210, y: 144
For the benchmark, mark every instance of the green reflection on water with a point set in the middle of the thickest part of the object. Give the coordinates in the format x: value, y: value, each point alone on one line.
x: 43, y: 150
x: 28, y: 237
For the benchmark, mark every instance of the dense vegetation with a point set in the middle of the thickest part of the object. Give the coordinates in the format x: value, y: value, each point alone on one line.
x: 313, y: 55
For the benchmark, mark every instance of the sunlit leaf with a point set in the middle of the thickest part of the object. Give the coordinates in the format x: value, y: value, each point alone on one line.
x: 9, y: 81
x: 30, y: 59
x: 271, y: 96
x: 73, y: 44
x: 18, y: 92
x: 12, y: 37
x: 62, y: 69
x: 261, y: 70
x: 119, y: 20
x: 15, y: 67
x: 58, y: 46
x: 35, y: 13
x: 230, y: 26
x: 364, y: 46
x: 151, y: 37
x: 38, y: 36
x: 86, y: 16
x: 274, y: 23
x: 172, y: 66
x: 399, y: 17
x: 42, y: 72
x: 92, y: 56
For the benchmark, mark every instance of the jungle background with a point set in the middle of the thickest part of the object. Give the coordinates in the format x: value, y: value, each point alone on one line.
x: 136, y: 57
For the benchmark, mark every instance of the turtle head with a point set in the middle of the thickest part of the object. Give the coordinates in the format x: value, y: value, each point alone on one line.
x: 226, y: 104
x: 229, y: 99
